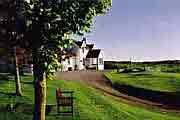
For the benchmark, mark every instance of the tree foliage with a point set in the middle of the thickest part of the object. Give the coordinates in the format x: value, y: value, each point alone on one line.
x: 45, y: 27
x: 50, y: 23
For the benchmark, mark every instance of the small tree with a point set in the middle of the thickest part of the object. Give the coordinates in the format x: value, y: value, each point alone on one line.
x: 49, y: 25
x: 17, y: 77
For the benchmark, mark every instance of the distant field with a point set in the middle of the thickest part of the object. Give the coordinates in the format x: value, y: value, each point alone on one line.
x: 159, y: 81
x: 90, y: 104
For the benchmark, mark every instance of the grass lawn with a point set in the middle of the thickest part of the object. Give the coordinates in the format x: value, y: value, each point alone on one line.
x: 90, y: 104
x: 159, y: 81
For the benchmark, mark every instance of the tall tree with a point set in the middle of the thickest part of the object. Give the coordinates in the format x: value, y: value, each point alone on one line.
x: 49, y: 25
x: 9, y: 34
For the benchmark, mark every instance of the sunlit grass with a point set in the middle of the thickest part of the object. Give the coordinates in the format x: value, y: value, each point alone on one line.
x: 90, y: 104
x: 159, y: 81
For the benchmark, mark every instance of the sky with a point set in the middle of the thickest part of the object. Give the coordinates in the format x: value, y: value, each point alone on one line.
x: 143, y: 30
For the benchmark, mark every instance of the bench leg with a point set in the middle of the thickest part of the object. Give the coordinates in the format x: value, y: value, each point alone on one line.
x: 72, y: 108
x: 58, y: 109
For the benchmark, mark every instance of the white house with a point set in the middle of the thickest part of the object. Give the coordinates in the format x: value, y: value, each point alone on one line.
x: 79, y: 56
x: 82, y: 56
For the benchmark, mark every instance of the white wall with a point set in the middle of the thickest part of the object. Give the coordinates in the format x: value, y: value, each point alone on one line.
x: 65, y: 65
x: 94, y: 61
x: 78, y: 60
x: 101, y: 66
x: 72, y: 64
x: 82, y: 54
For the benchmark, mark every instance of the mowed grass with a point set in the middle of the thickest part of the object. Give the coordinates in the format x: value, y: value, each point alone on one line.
x: 158, y: 81
x: 90, y: 104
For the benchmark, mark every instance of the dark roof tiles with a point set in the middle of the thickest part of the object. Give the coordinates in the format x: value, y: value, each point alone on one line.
x: 79, y: 43
x: 90, y: 46
x: 94, y: 53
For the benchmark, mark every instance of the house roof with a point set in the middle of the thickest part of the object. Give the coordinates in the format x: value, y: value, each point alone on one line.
x: 79, y: 43
x: 90, y: 46
x: 94, y: 53
x: 69, y: 52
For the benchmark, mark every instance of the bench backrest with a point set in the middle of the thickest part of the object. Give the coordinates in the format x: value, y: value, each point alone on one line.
x: 64, y: 97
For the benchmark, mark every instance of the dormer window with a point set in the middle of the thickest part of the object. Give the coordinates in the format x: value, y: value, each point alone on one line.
x: 83, y: 45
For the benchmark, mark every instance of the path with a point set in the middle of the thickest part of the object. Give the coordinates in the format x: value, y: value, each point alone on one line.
x: 99, y: 81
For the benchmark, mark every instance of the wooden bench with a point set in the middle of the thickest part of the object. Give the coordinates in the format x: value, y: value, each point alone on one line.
x: 64, y: 101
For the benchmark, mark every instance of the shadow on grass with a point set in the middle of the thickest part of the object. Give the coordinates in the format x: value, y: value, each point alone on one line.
x: 17, y: 107
x: 167, y: 99
x: 4, y: 78
x: 7, y: 98
x: 26, y: 108
x: 27, y: 82
x: 8, y: 77
x: 141, y: 74
x: 8, y: 94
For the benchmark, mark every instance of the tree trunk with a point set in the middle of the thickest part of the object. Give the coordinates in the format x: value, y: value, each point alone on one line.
x: 40, y: 93
x: 17, y: 77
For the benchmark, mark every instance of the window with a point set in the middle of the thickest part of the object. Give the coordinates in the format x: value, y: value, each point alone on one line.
x: 83, y: 61
x: 69, y: 61
x: 88, y: 60
x: 101, y: 61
